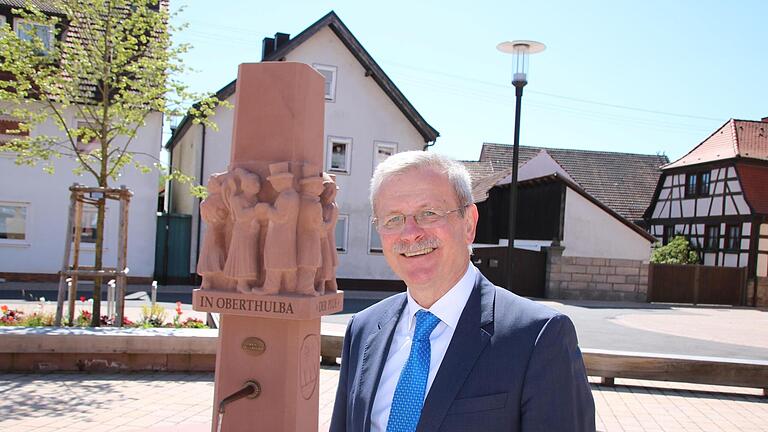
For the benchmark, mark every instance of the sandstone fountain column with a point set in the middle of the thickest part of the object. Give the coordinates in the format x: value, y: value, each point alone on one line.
x: 264, y: 259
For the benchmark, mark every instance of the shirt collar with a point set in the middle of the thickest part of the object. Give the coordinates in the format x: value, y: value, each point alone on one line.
x: 450, y: 306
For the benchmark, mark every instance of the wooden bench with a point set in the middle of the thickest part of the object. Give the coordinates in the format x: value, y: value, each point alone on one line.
x: 608, y: 365
x: 62, y: 349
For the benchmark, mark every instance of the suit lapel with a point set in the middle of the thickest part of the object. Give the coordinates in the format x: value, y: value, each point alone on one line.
x: 473, y: 331
x: 374, y: 355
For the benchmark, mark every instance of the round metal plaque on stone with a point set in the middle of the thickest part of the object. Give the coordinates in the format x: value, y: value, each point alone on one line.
x: 254, y: 346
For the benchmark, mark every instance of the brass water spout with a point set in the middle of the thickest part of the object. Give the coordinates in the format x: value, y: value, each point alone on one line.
x: 251, y: 390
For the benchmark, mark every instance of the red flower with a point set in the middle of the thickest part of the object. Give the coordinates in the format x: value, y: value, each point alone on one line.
x: 4, y: 308
x: 178, y: 308
x: 82, y: 299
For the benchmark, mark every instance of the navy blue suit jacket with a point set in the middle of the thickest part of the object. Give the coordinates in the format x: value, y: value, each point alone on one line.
x: 512, y: 365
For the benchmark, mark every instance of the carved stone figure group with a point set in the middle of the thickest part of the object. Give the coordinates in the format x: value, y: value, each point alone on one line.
x: 284, y: 246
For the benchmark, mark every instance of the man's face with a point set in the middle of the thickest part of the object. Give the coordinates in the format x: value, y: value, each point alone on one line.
x: 432, y: 271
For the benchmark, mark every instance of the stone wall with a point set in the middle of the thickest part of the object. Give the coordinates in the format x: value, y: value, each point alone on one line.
x: 586, y: 278
x: 762, y: 292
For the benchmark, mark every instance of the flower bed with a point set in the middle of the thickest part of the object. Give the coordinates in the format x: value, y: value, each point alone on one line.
x: 151, y: 317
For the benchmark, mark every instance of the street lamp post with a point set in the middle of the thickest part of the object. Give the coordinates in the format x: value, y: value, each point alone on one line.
x: 520, y: 50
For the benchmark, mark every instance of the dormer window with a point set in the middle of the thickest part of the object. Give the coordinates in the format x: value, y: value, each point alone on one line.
x: 27, y: 30
x: 329, y: 73
x: 697, y: 184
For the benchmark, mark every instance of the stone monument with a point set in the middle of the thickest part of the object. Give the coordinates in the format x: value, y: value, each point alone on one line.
x: 268, y: 258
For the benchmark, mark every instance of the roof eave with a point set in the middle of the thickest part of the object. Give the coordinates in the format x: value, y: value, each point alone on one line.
x: 332, y: 21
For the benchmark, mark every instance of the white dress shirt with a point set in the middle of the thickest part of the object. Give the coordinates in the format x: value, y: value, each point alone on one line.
x: 448, y: 308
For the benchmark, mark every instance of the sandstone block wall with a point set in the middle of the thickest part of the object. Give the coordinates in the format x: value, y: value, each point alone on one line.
x: 762, y: 292
x: 586, y: 278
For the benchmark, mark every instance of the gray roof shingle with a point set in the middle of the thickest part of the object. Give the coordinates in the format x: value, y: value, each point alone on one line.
x: 625, y: 182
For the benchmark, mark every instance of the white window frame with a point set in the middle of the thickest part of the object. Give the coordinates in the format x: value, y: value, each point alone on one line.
x: 371, y: 232
x: 26, y: 241
x: 6, y: 137
x: 19, y: 22
x: 330, y: 95
x: 93, y: 210
x: 347, y: 157
x: 382, y: 144
x: 343, y: 220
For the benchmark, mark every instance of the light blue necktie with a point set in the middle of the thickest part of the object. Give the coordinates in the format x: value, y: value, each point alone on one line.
x: 409, y: 393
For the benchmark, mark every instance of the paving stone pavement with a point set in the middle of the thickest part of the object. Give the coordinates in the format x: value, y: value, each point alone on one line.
x: 140, y: 401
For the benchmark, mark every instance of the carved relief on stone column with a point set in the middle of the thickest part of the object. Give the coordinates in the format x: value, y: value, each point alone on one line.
x: 326, y: 275
x: 270, y: 237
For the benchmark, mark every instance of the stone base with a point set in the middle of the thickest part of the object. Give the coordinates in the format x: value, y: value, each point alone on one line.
x: 283, y: 306
x: 761, y: 288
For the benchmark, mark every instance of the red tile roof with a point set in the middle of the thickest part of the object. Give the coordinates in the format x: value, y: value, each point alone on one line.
x: 736, y: 138
x: 754, y: 180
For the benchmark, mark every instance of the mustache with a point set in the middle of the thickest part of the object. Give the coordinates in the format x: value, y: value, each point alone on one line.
x: 402, y: 247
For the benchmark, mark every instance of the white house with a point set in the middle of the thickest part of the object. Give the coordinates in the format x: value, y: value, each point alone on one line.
x: 585, y: 249
x: 366, y: 120
x: 34, y: 205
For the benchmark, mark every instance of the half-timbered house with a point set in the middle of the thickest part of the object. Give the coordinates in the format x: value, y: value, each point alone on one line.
x: 717, y: 197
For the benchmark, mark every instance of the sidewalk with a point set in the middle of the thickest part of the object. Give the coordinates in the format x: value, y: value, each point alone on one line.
x: 136, y: 402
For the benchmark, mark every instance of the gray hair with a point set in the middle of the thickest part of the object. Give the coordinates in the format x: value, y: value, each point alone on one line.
x: 400, y: 163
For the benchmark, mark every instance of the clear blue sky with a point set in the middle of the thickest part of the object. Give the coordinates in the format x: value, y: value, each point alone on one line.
x: 640, y: 77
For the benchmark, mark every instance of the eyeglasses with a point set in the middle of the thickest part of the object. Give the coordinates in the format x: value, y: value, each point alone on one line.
x: 394, y: 223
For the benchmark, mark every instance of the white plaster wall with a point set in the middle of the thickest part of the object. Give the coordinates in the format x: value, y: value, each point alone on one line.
x: 538, y: 166
x: 361, y: 111
x: 591, y: 232
x: 48, y: 199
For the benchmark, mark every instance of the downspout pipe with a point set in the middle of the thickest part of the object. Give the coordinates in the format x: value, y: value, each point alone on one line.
x: 202, y: 174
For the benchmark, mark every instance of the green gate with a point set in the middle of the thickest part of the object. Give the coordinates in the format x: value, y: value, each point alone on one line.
x: 172, y: 244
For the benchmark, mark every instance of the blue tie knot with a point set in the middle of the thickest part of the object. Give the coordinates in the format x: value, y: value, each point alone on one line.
x: 425, y: 324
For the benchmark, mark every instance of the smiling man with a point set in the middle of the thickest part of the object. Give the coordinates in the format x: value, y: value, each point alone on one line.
x: 455, y: 352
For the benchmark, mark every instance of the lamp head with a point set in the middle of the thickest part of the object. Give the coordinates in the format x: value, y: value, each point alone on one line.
x: 520, y: 50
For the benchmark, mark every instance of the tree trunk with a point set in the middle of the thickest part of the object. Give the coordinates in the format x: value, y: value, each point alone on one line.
x: 98, y: 262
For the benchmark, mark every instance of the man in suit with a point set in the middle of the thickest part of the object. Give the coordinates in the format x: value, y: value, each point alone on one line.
x: 455, y: 352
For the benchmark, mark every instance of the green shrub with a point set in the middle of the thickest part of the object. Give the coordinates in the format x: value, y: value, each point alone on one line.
x: 38, y: 319
x: 677, y: 251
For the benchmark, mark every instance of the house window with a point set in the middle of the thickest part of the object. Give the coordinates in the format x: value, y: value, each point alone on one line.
x: 329, y: 73
x: 339, y: 154
x: 383, y: 150
x: 697, y: 184
x: 10, y: 129
x: 690, y: 185
x: 711, y: 237
x: 669, y: 234
x: 27, y: 31
x: 2, y: 19
x: 88, y: 225
x: 374, y: 241
x: 733, y: 237
x: 87, y: 141
x: 704, y: 184
x: 341, y: 233
x: 13, y: 222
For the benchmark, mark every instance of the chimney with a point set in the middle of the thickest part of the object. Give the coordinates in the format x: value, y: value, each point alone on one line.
x: 281, y: 39
x: 267, y: 47
x: 764, y: 119
x: 270, y: 45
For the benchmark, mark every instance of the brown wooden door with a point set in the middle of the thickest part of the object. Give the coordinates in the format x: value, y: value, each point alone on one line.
x: 529, y: 267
